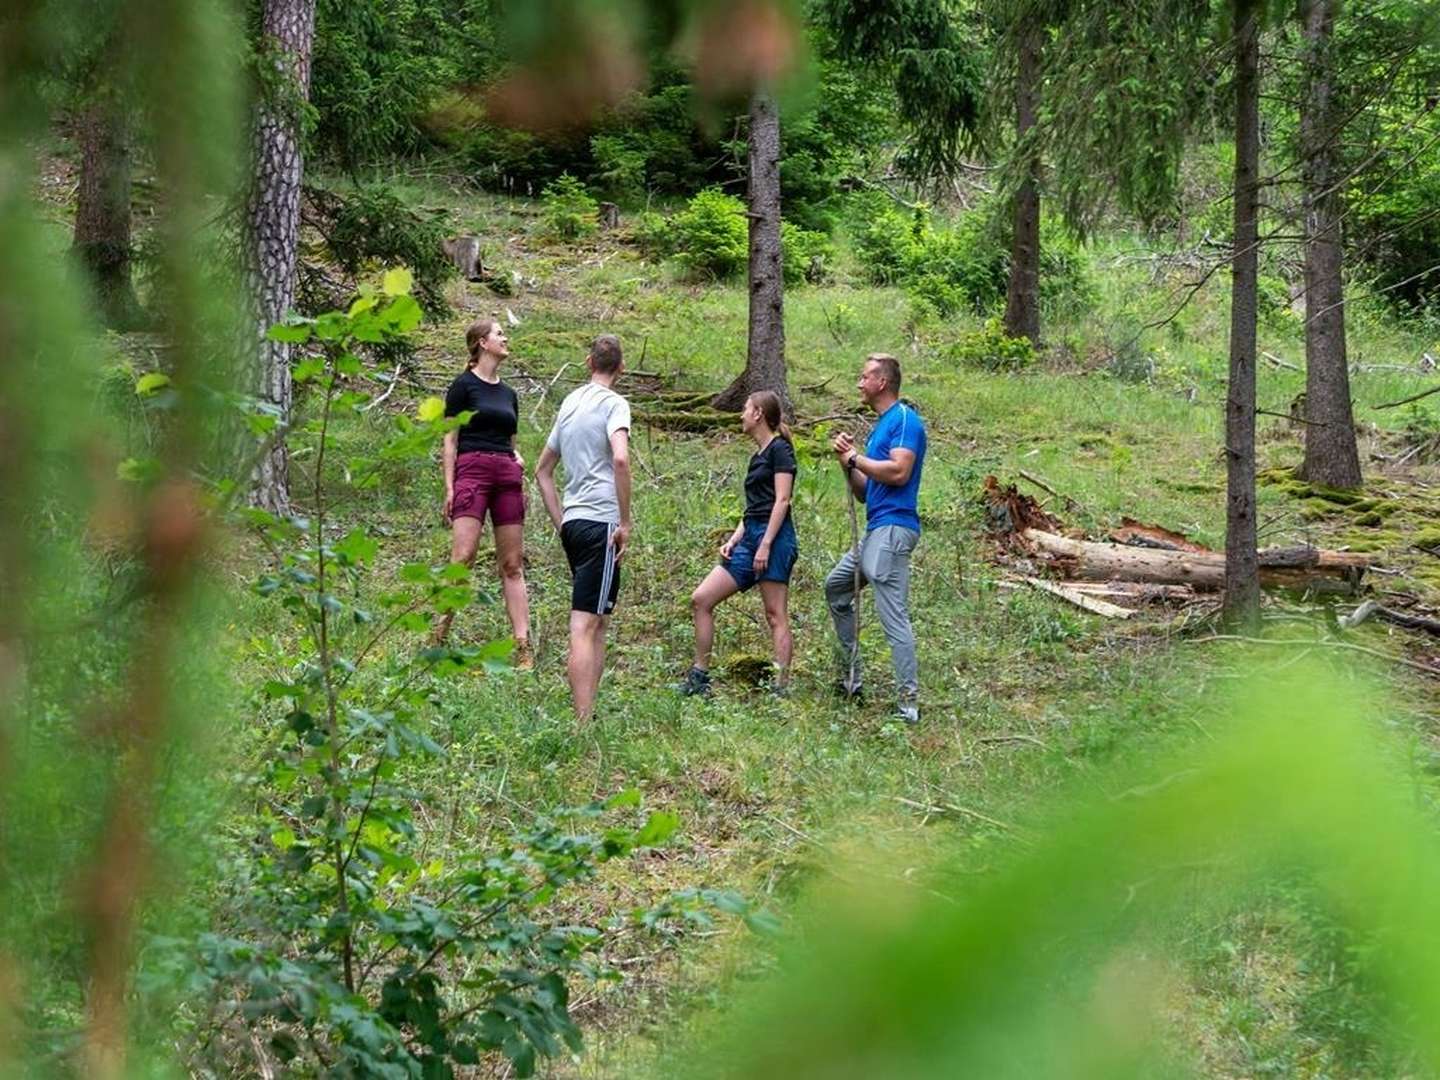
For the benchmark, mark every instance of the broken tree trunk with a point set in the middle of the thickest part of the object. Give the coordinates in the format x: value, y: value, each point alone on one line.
x: 1280, y: 568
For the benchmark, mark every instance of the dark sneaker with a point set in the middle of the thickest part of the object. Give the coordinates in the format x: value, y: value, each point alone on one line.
x: 853, y: 694
x: 908, y: 711
x: 696, y: 682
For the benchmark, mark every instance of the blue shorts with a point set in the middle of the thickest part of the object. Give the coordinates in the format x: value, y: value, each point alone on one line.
x: 784, y: 550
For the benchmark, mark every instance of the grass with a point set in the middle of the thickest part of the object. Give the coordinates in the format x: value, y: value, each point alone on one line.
x: 1020, y: 694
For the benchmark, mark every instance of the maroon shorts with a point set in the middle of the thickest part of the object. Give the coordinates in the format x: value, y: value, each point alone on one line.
x: 492, y: 481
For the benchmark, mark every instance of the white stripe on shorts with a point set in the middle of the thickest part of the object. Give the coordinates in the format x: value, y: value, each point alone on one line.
x: 608, y: 574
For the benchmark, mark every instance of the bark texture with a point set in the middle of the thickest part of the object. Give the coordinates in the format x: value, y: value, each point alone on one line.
x: 1331, y: 455
x: 1022, y: 296
x: 765, y: 357
x: 288, y: 28
x: 102, y: 209
x: 1242, y: 568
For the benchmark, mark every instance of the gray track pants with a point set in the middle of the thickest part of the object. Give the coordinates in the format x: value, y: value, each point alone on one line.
x: 885, y: 564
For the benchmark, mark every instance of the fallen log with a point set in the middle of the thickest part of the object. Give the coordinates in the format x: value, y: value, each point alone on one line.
x: 1280, y: 568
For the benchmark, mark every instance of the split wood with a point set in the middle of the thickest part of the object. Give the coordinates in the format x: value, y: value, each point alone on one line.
x: 1080, y: 599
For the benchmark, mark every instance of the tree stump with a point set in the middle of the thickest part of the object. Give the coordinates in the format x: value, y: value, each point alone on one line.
x: 609, y: 215
x: 464, y: 252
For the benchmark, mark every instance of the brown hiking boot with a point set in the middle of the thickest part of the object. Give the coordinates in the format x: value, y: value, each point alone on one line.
x: 522, y: 658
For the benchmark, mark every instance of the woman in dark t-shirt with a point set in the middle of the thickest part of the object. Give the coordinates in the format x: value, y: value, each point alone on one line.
x: 483, y: 473
x: 762, y: 548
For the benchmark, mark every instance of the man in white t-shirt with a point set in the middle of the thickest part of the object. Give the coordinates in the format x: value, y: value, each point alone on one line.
x: 591, y: 437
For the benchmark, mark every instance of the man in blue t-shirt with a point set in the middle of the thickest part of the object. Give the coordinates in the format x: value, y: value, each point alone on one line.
x: 887, y: 477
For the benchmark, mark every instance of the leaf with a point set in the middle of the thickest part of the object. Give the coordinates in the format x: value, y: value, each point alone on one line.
x: 628, y: 797
x: 151, y: 382
x: 362, y: 303
x: 403, y: 315
x: 308, y: 368
x: 139, y: 470
x: 397, y: 281
x: 658, y: 828
x: 348, y: 364
x: 284, y: 839
x: 430, y: 410
x: 357, y: 548
x: 290, y: 333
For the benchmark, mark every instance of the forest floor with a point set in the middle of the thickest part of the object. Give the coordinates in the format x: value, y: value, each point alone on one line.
x: 1021, y: 693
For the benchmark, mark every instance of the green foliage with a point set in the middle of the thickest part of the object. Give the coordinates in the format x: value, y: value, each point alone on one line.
x: 990, y: 348
x: 568, y: 209
x: 963, y: 266
x: 711, y: 235
x: 352, y: 949
x: 619, y: 167
x: 377, y: 66
x: 806, y: 255
x: 1297, y: 795
x: 374, y: 226
x: 654, y: 235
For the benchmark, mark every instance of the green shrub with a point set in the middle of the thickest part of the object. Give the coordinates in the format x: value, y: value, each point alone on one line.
x: 567, y: 208
x: 375, y: 227
x: 805, y: 254
x: 885, y: 238
x: 992, y: 349
x: 711, y: 235
x: 654, y: 235
x: 619, y: 167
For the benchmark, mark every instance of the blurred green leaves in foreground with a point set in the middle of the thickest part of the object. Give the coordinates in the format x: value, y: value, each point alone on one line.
x: 1055, y: 963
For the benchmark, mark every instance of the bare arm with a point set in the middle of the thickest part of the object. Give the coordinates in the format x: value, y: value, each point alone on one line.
x: 893, y: 471
x: 545, y: 480
x: 620, y: 452
x: 448, y: 453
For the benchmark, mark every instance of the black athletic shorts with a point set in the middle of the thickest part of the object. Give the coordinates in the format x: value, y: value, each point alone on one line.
x: 592, y: 565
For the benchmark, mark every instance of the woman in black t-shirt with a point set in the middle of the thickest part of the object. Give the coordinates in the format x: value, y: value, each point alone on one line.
x: 483, y: 473
x: 762, y: 548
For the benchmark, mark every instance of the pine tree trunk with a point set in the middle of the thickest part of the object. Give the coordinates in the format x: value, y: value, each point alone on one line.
x: 1022, y: 297
x: 288, y: 28
x: 765, y: 358
x: 1242, y: 567
x: 102, y: 209
x: 1331, y: 455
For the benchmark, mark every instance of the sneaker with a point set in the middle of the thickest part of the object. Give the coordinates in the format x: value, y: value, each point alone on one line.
x: 854, y: 695
x: 696, y: 682
x: 908, y: 711
x: 522, y: 658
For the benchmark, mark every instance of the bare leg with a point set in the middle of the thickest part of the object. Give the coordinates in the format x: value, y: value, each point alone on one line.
x: 587, y: 660
x: 510, y: 554
x: 776, y: 595
x: 464, y: 540
x: 718, y: 585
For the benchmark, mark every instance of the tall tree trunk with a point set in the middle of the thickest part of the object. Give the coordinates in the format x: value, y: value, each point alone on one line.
x: 765, y: 358
x: 1022, y: 297
x: 1331, y: 456
x: 288, y: 28
x: 1242, y: 567
x: 102, y: 210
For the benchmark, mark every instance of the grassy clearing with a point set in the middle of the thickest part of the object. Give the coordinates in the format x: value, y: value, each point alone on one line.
x: 1020, y: 694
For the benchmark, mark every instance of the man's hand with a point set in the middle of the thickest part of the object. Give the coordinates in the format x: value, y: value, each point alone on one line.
x: 762, y: 558
x: 844, y: 446
x: 619, y: 540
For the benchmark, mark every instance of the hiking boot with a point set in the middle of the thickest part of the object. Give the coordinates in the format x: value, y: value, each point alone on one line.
x: 522, y: 658
x: 696, y: 682
x: 908, y: 711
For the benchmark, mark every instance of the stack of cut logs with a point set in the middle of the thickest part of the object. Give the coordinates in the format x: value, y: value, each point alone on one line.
x: 1142, y: 562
